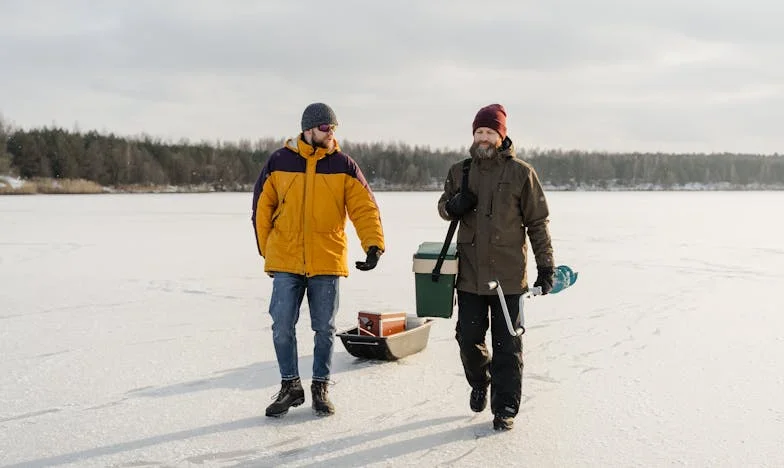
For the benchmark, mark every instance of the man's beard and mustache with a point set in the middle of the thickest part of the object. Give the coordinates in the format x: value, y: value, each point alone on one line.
x: 483, y: 151
x: 326, y: 142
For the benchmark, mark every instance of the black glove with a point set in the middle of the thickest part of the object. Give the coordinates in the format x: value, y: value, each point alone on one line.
x: 461, y: 203
x: 371, y: 261
x: 544, y: 279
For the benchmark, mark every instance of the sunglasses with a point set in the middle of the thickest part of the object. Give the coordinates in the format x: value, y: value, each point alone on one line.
x: 326, y: 127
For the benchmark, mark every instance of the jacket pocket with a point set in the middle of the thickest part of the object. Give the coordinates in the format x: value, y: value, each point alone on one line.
x: 329, y: 206
x: 284, y: 251
x: 284, y: 217
x: 276, y: 214
x: 506, y: 200
x: 331, y: 250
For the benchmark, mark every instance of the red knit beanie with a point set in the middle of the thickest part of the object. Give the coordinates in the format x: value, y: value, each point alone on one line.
x: 492, y: 116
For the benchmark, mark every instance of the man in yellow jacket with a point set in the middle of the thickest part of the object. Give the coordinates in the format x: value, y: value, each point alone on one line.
x: 300, y: 203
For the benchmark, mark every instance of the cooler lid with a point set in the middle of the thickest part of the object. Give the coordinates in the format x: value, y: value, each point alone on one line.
x: 430, y: 250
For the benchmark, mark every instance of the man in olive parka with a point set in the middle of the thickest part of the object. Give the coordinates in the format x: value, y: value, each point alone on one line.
x: 501, y: 209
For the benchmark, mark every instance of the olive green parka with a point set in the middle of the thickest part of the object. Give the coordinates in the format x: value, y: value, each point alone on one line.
x: 492, y: 239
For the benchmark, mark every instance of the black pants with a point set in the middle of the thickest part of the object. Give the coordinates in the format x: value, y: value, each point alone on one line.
x: 504, y: 370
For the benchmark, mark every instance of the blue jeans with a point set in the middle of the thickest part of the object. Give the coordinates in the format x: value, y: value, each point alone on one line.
x: 288, y: 291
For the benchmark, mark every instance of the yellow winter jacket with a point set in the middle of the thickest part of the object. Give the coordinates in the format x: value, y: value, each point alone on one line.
x: 300, y: 203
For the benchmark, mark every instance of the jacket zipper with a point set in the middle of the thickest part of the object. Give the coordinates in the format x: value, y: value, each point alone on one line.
x: 305, y: 219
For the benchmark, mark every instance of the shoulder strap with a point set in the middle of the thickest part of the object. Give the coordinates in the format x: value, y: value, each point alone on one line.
x: 452, y: 227
x: 466, y: 170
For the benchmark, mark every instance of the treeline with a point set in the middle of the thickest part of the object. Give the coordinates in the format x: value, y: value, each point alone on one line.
x: 112, y: 160
x: 575, y: 169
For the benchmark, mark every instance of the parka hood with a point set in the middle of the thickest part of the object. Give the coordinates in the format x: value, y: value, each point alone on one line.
x: 298, y: 145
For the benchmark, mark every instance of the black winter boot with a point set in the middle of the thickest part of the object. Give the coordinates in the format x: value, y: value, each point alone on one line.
x: 321, y: 404
x: 478, y: 401
x: 290, y: 394
x: 503, y: 423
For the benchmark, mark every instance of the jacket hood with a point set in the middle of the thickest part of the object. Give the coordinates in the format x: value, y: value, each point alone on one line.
x: 507, y: 148
x: 298, y: 145
x: 505, y: 151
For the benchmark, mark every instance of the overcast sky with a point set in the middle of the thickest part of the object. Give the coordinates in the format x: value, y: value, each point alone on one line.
x: 641, y: 75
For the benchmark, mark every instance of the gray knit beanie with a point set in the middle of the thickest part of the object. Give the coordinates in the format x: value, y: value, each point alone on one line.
x: 316, y: 114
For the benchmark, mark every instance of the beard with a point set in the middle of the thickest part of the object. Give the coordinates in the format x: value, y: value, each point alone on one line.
x: 327, y: 142
x: 483, y: 151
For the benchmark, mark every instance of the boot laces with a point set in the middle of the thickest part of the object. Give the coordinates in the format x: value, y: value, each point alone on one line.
x: 320, y: 388
x: 285, y: 387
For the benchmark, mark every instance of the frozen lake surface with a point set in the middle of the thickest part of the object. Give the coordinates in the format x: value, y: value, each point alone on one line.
x: 134, y: 332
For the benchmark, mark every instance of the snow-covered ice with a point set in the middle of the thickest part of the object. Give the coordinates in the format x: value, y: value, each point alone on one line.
x: 134, y: 332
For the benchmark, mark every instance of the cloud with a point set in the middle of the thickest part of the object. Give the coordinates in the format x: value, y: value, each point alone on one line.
x: 614, y: 75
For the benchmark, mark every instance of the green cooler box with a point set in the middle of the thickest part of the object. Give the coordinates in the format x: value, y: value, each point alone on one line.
x: 435, y: 299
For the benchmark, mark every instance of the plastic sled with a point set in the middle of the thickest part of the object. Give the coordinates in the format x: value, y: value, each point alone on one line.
x: 386, y: 348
